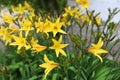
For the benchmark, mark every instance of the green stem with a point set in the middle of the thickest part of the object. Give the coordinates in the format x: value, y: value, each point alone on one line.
x: 91, y: 35
x: 79, y: 65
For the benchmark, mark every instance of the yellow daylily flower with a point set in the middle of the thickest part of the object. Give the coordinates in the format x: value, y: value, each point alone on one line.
x: 83, y: 3
x: 7, y: 18
x: 58, y: 46
x: 36, y: 47
x: 74, y: 12
x: 27, y: 26
x: 28, y: 6
x: 20, y: 42
x: 44, y: 27
x: 5, y: 35
x: 56, y: 27
x: 13, y: 29
x: 39, y: 25
x: 49, y: 65
x: 68, y: 11
x: 20, y: 9
x: 85, y: 18
x: 97, y: 50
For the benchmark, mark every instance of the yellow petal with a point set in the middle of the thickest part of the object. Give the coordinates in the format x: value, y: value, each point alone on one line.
x: 100, y: 51
x: 48, y: 70
x: 49, y: 65
x: 44, y: 65
x: 63, y: 45
x: 54, y: 33
x: 38, y: 48
x: 60, y: 39
x: 99, y: 44
x: 99, y: 58
x: 54, y: 41
x: 45, y: 58
x: 63, y: 52
x: 57, y: 52
x: 61, y: 31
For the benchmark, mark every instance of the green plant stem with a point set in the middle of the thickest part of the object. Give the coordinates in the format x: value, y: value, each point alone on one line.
x: 66, y: 72
x: 64, y: 64
x: 91, y: 35
x: 79, y: 60
x: 86, y: 31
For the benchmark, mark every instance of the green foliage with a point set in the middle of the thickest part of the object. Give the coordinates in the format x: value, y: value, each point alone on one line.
x: 19, y: 67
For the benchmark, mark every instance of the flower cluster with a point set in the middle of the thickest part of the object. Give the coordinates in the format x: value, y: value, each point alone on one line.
x: 22, y: 28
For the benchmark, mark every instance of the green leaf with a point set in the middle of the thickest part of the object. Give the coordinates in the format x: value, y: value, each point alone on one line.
x: 102, y: 73
x: 72, y: 68
x: 15, y: 66
x: 84, y: 74
x: 33, y: 78
x: 65, y: 78
x: 55, y: 76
